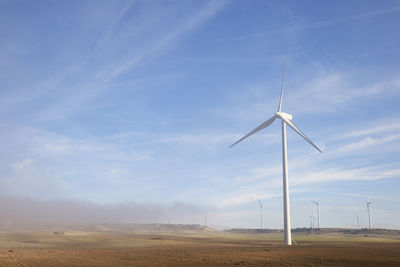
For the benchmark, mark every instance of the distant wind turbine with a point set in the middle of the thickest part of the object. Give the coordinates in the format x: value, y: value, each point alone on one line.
x: 312, y: 218
x: 369, y: 214
x: 261, y: 208
x: 285, y: 119
x: 316, y: 203
x: 358, y: 218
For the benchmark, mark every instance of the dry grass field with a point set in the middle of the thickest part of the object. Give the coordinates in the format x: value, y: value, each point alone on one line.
x: 129, y: 248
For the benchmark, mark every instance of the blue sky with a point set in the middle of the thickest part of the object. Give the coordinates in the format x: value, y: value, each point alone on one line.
x: 110, y: 102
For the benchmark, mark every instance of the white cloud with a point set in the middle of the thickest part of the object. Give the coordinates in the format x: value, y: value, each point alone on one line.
x: 367, y: 142
x: 319, y: 24
x: 18, y: 166
x: 240, y: 197
x: 330, y: 175
x: 198, y: 139
x: 257, y: 174
x: 28, y: 178
x: 196, y: 20
x: 372, y: 130
x: 333, y: 92
x: 60, y: 163
x: 114, y: 21
x: 44, y: 144
x: 40, y: 87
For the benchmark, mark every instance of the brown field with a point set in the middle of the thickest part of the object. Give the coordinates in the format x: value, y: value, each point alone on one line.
x: 127, y: 248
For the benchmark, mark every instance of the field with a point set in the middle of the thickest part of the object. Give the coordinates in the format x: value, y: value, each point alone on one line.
x: 195, y: 248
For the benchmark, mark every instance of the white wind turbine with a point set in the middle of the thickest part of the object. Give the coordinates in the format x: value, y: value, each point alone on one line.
x: 312, y: 218
x: 316, y: 203
x: 358, y: 218
x: 261, y: 207
x: 285, y: 119
x: 369, y: 214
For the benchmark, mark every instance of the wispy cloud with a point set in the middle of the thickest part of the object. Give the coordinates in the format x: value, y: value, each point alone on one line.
x: 26, y: 177
x: 95, y: 79
x: 18, y: 166
x: 333, y: 92
x: 198, y: 139
x: 51, y: 83
x: 56, y: 161
x: 55, y: 145
x: 244, y: 196
x: 354, y: 17
x: 167, y: 40
x: 326, y: 92
x: 321, y: 24
x: 114, y: 21
x: 390, y: 127
x: 366, y: 143
x: 330, y: 175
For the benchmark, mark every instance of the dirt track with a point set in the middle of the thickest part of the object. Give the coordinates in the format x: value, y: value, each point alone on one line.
x: 195, y: 251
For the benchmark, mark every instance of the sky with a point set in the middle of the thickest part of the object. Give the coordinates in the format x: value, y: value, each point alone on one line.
x: 127, y: 108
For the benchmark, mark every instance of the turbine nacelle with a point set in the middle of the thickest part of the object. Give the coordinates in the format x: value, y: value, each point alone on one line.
x: 315, y: 202
x: 283, y: 115
x: 260, y: 204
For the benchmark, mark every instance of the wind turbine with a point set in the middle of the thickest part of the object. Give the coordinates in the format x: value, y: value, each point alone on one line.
x: 261, y: 207
x: 285, y: 119
x: 312, y: 217
x: 369, y: 214
x: 316, y: 203
x: 358, y: 218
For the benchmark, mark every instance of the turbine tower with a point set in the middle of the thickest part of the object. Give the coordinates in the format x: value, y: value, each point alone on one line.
x: 312, y: 218
x: 261, y: 208
x: 285, y: 119
x: 316, y: 203
x: 369, y: 214
x: 358, y: 218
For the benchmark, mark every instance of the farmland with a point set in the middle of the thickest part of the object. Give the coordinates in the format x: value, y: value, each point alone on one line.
x: 110, y: 246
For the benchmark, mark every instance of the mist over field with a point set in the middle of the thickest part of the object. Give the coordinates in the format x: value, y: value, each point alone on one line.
x: 25, y: 211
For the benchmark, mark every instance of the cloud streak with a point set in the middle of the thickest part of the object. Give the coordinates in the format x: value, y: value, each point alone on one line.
x: 193, y: 22
x: 322, y: 24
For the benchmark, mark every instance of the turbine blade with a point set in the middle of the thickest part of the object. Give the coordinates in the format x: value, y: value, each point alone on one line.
x: 283, y: 83
x: 297, y: 130
x: 259, y: 127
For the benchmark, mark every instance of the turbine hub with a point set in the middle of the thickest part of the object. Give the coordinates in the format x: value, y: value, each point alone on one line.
x: 285, y: 115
